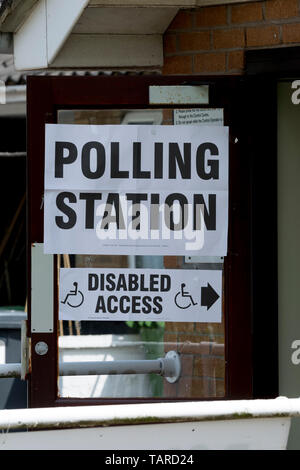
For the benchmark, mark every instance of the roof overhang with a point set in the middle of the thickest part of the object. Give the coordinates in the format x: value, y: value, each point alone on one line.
x: 50, y: 34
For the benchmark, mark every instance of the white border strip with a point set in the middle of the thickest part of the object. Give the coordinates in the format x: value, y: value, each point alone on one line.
x: 149, y: 413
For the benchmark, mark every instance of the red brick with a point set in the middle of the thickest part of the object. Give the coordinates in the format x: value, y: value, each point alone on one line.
x: 219, y: 388
x: 210, y: 328
x: 291, y: 33
x: 203, y: 328
x: 170, y: 342
x: 209, y: 367
x: 177, y: 65
x: 218, y: 349
x: 184, y: 387
x: 263, y: 36
x: 170, y: 338
x: 247, y: 13
x: 236, y: 60
x: 210, y: 62
x: 279, y: 9
x: 170, y: 390
x: 211, y: 16
x: 194, y: 387
x: 186, y: 365
x: 180, y: 326
x: 194, y: 41
x: 176, y: 261
x: 228, y: 38
x: 169, y: 43
x: 190, y: 344
x: 183, y: 20
x: 167, y: 116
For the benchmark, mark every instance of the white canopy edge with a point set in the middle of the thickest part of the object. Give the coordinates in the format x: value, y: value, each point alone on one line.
x: 149, y: 413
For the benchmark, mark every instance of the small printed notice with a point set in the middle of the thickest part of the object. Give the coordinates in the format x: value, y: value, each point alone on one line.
x: 140, y: 295
x: 211, y: 116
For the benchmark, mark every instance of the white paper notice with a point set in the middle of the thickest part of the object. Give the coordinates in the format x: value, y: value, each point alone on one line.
x: 142, y: 190
x: 140, y: 295
x: 204, y: 116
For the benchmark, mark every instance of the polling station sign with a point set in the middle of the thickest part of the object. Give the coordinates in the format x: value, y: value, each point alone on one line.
x: 138, y: 189
x: 140, y: 295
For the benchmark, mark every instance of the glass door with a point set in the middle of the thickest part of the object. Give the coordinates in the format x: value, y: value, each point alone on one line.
x: 206, y: 361
x: 200, y: 345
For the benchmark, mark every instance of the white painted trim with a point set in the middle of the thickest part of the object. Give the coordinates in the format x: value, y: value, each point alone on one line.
x: 111, y: 20
x: 204, y: 3
x: 62, y: 15
x: 92, y: 416
x: 39, y: 39
x: 164, y: 3
x: 30, y: 41
x: 44, y: 40
x: 143, y: 3
x: 246, y: 434
x: 108, y: 50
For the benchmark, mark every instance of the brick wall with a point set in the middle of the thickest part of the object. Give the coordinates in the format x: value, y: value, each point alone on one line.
x: 212, y: 40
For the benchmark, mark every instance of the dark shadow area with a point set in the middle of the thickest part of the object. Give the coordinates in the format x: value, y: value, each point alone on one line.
x: 13, y: 212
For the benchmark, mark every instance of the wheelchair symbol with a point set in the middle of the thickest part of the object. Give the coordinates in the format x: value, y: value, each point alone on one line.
x: 183, y: 299
x: 77, y: 297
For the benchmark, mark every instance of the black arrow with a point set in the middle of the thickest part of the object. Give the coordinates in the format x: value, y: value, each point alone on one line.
x: 208, y: 296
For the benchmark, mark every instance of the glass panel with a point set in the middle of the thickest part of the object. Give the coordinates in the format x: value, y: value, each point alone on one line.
x: 199, y: 345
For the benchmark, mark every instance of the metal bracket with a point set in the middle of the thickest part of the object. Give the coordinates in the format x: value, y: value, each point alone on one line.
x: 41, y: 348
x: 168, y: 366
x: 171, y: 367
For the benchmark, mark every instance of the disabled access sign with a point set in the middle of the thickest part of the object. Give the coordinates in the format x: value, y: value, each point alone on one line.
x: 140, y: 295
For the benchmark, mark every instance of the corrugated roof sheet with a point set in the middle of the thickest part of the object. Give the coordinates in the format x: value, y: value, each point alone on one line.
x: 10, y: 76
x: 8, y: 73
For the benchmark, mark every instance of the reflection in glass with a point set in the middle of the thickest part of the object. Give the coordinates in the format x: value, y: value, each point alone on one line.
x: 200, y: 345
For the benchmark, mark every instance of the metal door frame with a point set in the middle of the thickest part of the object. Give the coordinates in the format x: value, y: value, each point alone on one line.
x: 45, y: 96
